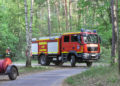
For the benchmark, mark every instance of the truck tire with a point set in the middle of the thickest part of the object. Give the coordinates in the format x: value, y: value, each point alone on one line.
x: 89, y: 64
x: 72, y: 60
x: 44, y: 61
x: 13, y: 73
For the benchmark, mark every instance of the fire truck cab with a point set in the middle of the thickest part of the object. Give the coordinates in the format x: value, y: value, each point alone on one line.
x: 81, y: 47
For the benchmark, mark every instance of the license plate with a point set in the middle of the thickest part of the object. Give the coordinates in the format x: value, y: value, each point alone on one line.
x: 93, y: 55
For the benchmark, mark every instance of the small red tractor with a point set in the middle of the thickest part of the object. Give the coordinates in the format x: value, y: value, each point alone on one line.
x: 7, y: 68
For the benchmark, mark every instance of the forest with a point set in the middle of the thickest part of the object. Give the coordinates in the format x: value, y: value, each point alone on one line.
x: 57, y: 16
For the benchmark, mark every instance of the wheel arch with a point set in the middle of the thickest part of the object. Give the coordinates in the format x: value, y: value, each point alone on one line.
x: 71, y: 53
x: 40, y: 56
x: 8, y: 70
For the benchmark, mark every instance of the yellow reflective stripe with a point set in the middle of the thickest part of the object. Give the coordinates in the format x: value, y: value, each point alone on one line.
x: 42, y: 49
x: 81, y: 49
x: 34, y: 52
x: 42, y: 43
x: 77, y: 52
x: 42, y: 52
x: 64, y: 52
x: 47, y: 39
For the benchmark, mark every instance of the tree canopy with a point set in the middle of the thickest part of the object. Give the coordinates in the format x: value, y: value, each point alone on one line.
x: 87, y: 14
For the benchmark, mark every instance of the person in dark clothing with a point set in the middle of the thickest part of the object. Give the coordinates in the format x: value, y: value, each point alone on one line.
x: 8, y: 52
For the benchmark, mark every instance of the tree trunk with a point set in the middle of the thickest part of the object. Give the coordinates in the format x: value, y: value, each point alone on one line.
x: 66, y: 15
x: 58, y: 16
x: 28, y: 33
x: 70, y: 16
x: 49, y: 17
x: 118, y: 36
x: 26, y: 20
x: 114, y: 31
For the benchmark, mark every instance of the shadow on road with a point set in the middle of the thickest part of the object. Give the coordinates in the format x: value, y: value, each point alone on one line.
x: 4, y: 80
x: 69, y: 66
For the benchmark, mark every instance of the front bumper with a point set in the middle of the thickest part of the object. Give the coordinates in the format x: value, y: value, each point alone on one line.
x: 91, y: 56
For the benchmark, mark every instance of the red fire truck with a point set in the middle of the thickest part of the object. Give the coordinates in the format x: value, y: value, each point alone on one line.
x: 82, y: 47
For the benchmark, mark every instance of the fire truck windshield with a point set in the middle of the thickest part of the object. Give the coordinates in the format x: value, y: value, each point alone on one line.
x: 90, y: 38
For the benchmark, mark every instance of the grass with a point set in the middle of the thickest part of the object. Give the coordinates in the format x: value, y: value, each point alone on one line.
x: 96, y: 76
x: 105, y: 55
x: 24, y: 61
x: 27, y: 70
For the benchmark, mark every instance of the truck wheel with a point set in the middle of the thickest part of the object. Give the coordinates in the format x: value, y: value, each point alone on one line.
x: 43, y: 60
x: 13, y: 73
x: 89, y: 64
x: 72, y: 60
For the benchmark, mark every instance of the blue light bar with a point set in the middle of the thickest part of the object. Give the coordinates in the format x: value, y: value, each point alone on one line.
x: 82, y: 30
x: 94, y: 31
x: 88, y: 30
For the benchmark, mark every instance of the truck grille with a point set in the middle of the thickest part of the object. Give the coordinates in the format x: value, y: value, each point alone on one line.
x: 92, y: 48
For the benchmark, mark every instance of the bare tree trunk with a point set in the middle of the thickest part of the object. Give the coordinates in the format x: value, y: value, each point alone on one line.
x: 58, y: 16
x: 78, y: 18
x: 113, y: 34
x: 114, y: 31
x: 66, y: 15
x: 28, y: 33
x: 94, y: 15
x: 49, y: 17
x: 118, y: 37
x: 26, y: 20
x: 70, y: 16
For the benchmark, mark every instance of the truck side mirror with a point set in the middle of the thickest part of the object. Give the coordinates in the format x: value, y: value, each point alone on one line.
x: 99, y: 39
x: 79, y: 39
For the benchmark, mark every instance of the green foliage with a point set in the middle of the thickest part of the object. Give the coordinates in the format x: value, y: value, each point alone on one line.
x: 96, y: 15
x: 96, y: 76
x: 105, y: 55
x: 12, y: 26
x: 87, y: 14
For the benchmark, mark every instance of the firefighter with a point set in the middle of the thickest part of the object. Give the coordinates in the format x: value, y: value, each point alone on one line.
x: 8, y: 52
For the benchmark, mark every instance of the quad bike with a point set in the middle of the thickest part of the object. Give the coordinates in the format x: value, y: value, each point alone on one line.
x: 7, y: 68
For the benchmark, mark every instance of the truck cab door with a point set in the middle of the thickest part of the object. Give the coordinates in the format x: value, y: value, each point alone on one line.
x: 75, y: 43
x: 65, y: 44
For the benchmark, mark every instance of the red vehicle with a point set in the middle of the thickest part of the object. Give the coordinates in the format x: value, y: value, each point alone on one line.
x: 82, y: 47
x: 7, y: 68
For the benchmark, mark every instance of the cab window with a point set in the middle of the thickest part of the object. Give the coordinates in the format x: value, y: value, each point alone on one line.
x: 74, y: 38
x: 66, y: 38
